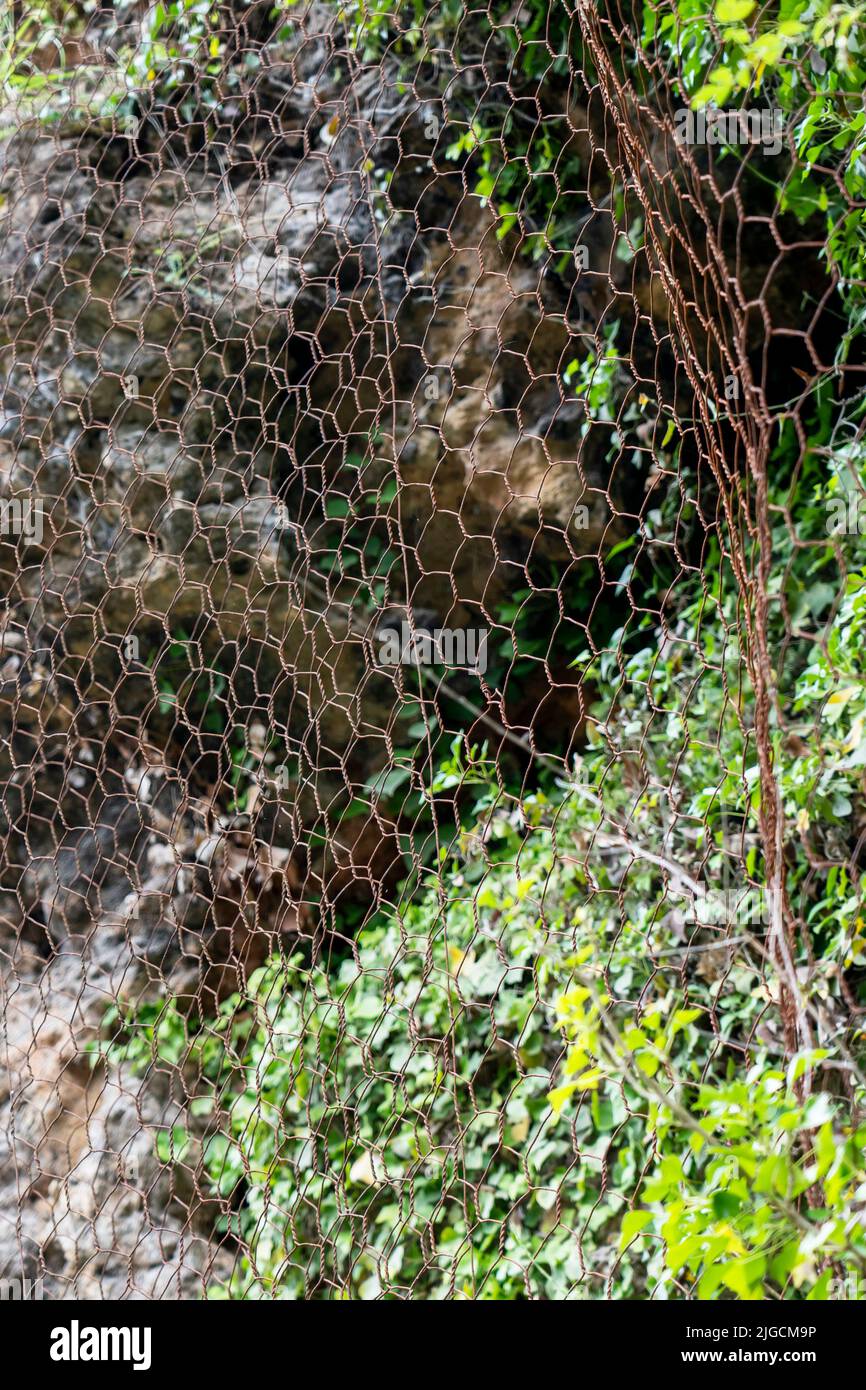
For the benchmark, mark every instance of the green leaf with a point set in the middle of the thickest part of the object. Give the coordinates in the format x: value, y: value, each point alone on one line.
x: 558, y: 1097
x: 588, y: 1080
x: 725, y: 1205
x: 710, y: 1281
x: 735, y: 1274
x: 837, y: 702
x: 821, y: 1289
x: 632, y: 1224
x: 678, y: 1255
x: 648, y: 1063
x: 732, y: 11
x: 715, y: 90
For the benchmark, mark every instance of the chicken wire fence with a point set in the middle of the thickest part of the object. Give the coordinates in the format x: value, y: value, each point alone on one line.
x: 395, y: 655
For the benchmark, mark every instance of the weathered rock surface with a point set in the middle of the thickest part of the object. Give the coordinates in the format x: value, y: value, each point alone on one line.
x: 189, y: 355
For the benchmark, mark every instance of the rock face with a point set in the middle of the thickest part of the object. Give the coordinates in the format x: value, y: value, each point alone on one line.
x: 498, y: 463
x: 212, y: 360
x: 100, y: 1216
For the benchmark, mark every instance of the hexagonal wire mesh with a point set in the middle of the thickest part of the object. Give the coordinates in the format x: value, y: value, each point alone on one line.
x: 399, y: 653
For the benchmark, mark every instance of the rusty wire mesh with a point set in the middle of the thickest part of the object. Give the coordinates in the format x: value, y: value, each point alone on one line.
x: 359, y: 502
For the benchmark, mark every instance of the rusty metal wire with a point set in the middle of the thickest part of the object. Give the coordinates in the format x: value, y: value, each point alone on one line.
x: 373, y: 384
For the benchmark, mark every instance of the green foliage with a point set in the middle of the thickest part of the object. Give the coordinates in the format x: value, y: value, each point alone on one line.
x: 804, y: 58
x: 595, y: 379
x: 178, y: 45
x: 19, y: 43
x: 337, y: 1100
x: 723, y: 1203
x: 531, y: 1077
x: 403, y: 1093
x: 186, y: 55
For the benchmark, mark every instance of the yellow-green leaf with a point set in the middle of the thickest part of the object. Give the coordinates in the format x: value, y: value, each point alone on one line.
x: 648, y: 1064
x: 560, y: 1095
x: 732, y: 11
x: 590, y: 1079
x: 632, y: 1223
x: 837, y: 702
